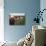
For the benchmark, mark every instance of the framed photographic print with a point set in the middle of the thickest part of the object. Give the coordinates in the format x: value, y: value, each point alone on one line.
x: 17, y: 19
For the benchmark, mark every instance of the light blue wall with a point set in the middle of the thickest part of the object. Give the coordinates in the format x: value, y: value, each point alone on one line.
x: 29, y: 7
x: 43, y: 6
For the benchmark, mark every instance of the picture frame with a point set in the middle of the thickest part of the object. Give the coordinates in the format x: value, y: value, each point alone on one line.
x: 17, y: 19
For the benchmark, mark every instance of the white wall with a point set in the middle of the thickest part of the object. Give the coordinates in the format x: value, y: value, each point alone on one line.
x: 1, y: 21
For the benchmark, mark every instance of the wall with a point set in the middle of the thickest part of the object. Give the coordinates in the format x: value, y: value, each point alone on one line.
x: 1, y: 21
x: 29, y: 7
x: 43, y: 6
